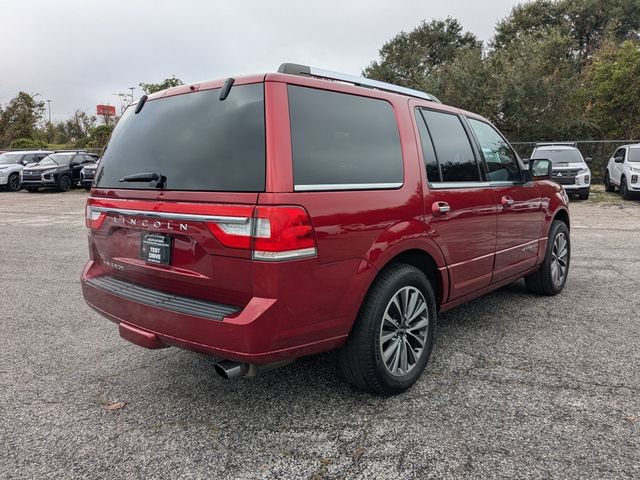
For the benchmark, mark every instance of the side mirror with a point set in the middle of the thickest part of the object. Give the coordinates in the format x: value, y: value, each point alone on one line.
x: 540, y: 169
x: 588, y: 160
x: 618, y: 159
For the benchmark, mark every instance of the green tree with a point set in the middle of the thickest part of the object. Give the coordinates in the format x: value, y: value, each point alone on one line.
x: 150, y: 88
x: 588, y: 22
x: 79, y: 125
x: 611, y: 90
x: 535, y: 88
x: 410, y: 59
x: 100, y: 135
x: 20, y: 118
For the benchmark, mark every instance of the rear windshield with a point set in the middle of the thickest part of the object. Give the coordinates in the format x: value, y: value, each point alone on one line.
x: 195, y: 140
x: 564, y: 155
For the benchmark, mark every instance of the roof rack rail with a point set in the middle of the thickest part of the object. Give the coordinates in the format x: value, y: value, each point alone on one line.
x: 295, y: 69
x: 552, y: 144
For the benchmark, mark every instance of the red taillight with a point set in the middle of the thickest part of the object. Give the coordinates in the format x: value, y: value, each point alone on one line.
x: 272, y: 233
x: 93, y: 218
x: 282, y: 233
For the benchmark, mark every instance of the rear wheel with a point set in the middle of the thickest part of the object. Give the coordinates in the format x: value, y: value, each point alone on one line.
x: 608, y: 186
x: 624, y: 191
x: 64, y: 183
x: 392, y: 337
x: 552, y: 276
x: 13, y: 182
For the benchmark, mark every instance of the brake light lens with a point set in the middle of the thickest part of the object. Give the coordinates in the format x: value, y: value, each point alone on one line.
x: 93, y: 218
x: 282, y: 233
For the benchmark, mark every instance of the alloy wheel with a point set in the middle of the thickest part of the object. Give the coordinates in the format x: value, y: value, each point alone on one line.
x: 14, y: 183
x: 404, y: 330
x: 559, y: 259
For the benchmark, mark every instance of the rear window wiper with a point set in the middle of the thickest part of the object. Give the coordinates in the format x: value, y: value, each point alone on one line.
x: 146, y: 177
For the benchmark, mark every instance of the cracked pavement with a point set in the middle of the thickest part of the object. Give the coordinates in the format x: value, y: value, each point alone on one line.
x: 518, y: 385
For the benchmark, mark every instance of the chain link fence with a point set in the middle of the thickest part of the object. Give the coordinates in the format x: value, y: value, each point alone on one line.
x: 599, y: 150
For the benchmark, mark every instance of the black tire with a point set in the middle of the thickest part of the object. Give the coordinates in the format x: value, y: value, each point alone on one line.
x: 64, y: 184
x: 361, y: 359
x: 584, y: 194
x: 624, y: 191
x: 13, y: 182
x: 87, y: 187
x: 608, y: 186
x: 32, y: 189
x: 543, y: 282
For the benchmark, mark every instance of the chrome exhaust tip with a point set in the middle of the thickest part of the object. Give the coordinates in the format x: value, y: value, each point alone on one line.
x: 228, y: 369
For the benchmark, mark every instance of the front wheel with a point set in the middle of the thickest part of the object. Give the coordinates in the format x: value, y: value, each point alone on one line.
x: 13, y: 182
x: 552, y: 276
x: 624, y: 190
x: 608, y: 186
x: 65, y: 183
x: 390, y: 343
x: 583, y: 194
x: 32, y: 189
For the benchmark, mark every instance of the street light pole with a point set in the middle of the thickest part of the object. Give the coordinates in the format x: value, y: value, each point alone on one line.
x: 49, y: 126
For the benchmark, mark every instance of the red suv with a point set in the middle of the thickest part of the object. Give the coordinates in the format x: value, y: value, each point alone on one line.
x: 263, y: 218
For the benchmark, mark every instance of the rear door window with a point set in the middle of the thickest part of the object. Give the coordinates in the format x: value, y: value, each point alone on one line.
x: 195, y: 140
x: 342, y: 141
x: 454, y: 155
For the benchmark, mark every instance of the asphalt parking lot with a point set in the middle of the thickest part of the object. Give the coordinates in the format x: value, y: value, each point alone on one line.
x: 518, y: 385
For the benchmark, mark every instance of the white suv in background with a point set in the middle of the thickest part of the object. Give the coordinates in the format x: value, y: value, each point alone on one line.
x: 11, y: 164
x: 569, y: 167
x: 623, y: 171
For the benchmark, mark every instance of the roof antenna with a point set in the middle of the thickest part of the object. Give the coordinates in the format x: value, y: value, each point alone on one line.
x: 226, y: 88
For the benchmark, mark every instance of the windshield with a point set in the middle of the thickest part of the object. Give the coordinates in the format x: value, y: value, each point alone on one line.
x: 561, y: 155
x: 194, y: 140
x: 634, y: 155
x: 57, y: 159
x: 10, y: 158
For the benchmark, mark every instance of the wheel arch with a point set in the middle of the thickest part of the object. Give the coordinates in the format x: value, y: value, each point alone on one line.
x: 563, y: 216
x: 425, y: 261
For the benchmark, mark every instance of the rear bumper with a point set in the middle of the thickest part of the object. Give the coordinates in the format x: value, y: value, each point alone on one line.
x: 254, y: 334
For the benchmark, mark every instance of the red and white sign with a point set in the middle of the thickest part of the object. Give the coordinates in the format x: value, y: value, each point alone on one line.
x: 107, y: 110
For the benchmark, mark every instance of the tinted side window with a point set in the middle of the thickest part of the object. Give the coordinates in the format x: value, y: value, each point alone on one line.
x: 340, y: 139
x: 428, y: 153
x: 500, y: 159
x: 28, y: 158
x: 453, y: 150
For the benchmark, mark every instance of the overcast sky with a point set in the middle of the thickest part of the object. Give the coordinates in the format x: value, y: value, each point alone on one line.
x: 78, y: 53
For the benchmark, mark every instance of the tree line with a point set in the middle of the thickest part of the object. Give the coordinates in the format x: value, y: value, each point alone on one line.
x: 23, y: 124
x: 554, y: 69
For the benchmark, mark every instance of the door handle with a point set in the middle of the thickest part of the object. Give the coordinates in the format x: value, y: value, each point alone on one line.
x: 506, y: 201
x: 440, y: 209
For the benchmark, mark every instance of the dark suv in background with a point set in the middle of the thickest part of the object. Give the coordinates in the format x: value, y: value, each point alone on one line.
x: 59, y: 170
x: 263, y: 218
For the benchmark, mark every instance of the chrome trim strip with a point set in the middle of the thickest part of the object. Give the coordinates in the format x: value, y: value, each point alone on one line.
x: 446, y: 185
x: 346, y: 186
x: 288, y: 255
x: 173, y: 216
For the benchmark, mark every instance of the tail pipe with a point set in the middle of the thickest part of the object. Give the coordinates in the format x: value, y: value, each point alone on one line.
x: 228, y: 369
